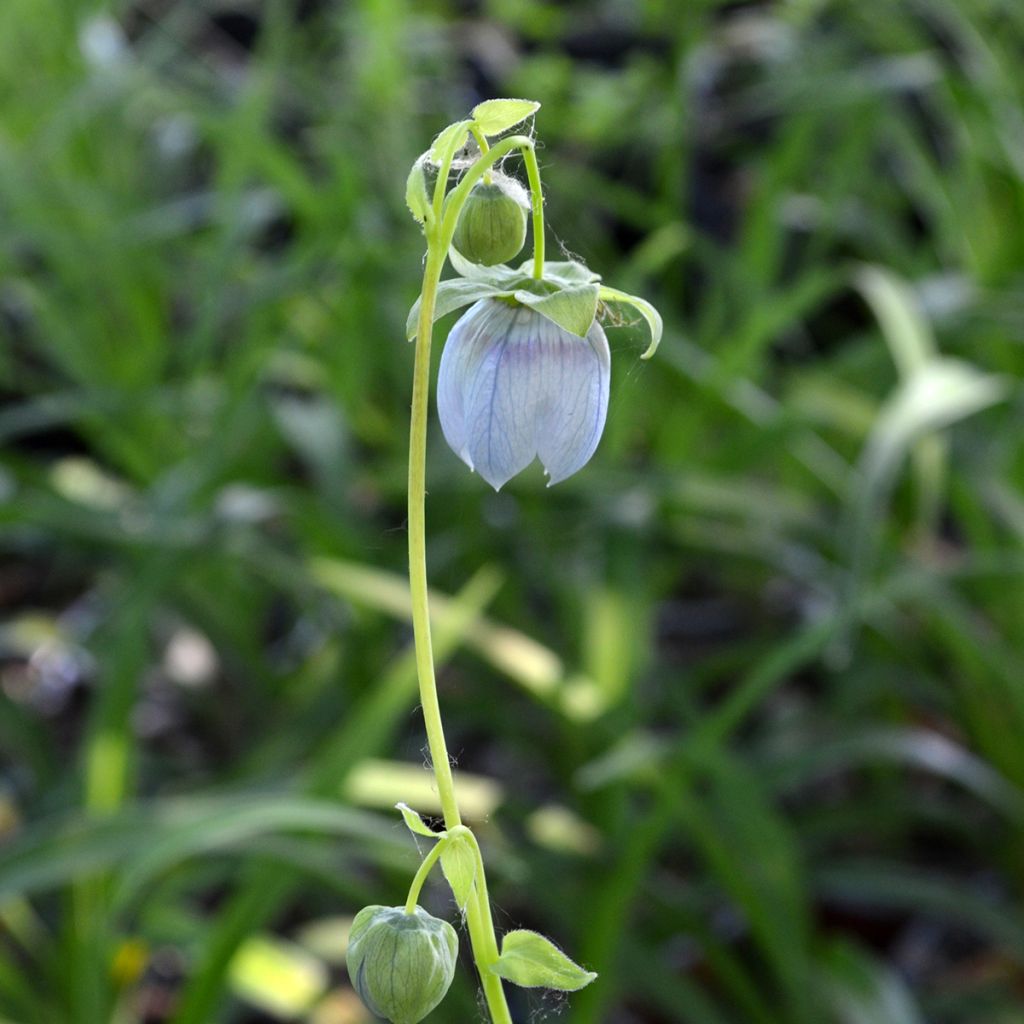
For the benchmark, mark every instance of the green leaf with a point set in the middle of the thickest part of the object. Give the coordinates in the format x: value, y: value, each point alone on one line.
x: 644, y: 308
x: 572, y: 308
x: 416, y: 193
x: 458, y: 862
x: 449, y: 142
x: 452, y: 295
x: 532, y: 961
x: 495, y: 116
x: 415, y: 823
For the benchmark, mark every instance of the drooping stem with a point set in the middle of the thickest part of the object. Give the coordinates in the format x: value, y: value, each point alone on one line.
x: 478, y: 918
x: 421, y: 876
x: 537, y: 201
x: 418, y: 541
x: 481, y: 141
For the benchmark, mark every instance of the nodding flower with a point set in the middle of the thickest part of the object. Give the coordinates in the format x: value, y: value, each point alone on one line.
x: 514, y: 386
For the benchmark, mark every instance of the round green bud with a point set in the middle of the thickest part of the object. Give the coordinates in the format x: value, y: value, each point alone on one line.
x: 492, y: 224
x: 401, y: 964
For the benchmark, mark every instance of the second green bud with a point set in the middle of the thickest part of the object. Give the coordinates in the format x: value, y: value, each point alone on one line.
x: 492, y: 224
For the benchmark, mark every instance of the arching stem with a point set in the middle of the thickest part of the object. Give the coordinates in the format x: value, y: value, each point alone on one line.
x: 478, y: 915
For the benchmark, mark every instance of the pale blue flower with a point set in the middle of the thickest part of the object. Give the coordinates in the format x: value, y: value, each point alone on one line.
x: 515, y: 386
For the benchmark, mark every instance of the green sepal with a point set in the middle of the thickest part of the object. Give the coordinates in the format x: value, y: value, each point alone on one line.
x: 415, y: 823
x: 532, y: 961
x: 458, y: 862
x: 644, y: 308
x: 416, y: 193
x: 493, y: 117
x: 451, y: 295
x: 449, y: 142
x: 567, y: 294
x: 572, y: 308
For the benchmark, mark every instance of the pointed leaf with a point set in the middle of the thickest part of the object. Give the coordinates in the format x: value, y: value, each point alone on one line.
x: 449, y: 142
x: 572, y: 308
x: 416, y: 192
x: 532, y: 961
x: 452, y: 295
x: 495, y: 116
x: 458, y: 862
x: 644, y: 308
x: 415, y: 823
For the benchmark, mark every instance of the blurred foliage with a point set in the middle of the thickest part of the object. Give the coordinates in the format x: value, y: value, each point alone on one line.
x: 741, y: 705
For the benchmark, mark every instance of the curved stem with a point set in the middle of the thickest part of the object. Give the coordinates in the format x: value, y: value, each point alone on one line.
x: 481, y: 141
x: 478, y: 916
x: 483, y: 900
x: 418, y: 541
x: 537, y: 201
x: 421, y: 875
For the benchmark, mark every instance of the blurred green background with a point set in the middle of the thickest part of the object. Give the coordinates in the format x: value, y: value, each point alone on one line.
x: 739, y: 709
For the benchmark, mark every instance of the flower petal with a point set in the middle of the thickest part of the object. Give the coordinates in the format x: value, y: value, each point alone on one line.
x: 501, y: 402
x: 514, y: 385
x: 480, y: 326
x: 577, y: 376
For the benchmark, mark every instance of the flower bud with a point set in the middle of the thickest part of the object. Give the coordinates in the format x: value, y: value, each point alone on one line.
x: 401, y: 964
x: 492, y: 224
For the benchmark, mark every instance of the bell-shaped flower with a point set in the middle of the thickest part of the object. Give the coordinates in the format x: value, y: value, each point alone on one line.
x: 525, y: 371
x: 514, y: 386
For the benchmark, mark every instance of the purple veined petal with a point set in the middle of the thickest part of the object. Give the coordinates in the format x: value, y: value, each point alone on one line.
x: 578, y: 377
x: 513, y: 385
x: 502, y: 400
x: 479, y: 327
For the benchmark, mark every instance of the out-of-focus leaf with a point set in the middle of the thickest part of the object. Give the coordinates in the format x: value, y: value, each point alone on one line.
x: 914, y: 748
x: 861, y: 990
x: 530, y: 664
x: 141, y: 841
x: 278, y: 977
x: 378, y: 783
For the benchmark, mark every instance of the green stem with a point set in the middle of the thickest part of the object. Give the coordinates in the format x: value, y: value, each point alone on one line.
x: 537, y: 201
x: 483, y: 902
x: 481, y: 141
x: 418, y: 541
x: 478, y: 917
x: 421, y: 876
